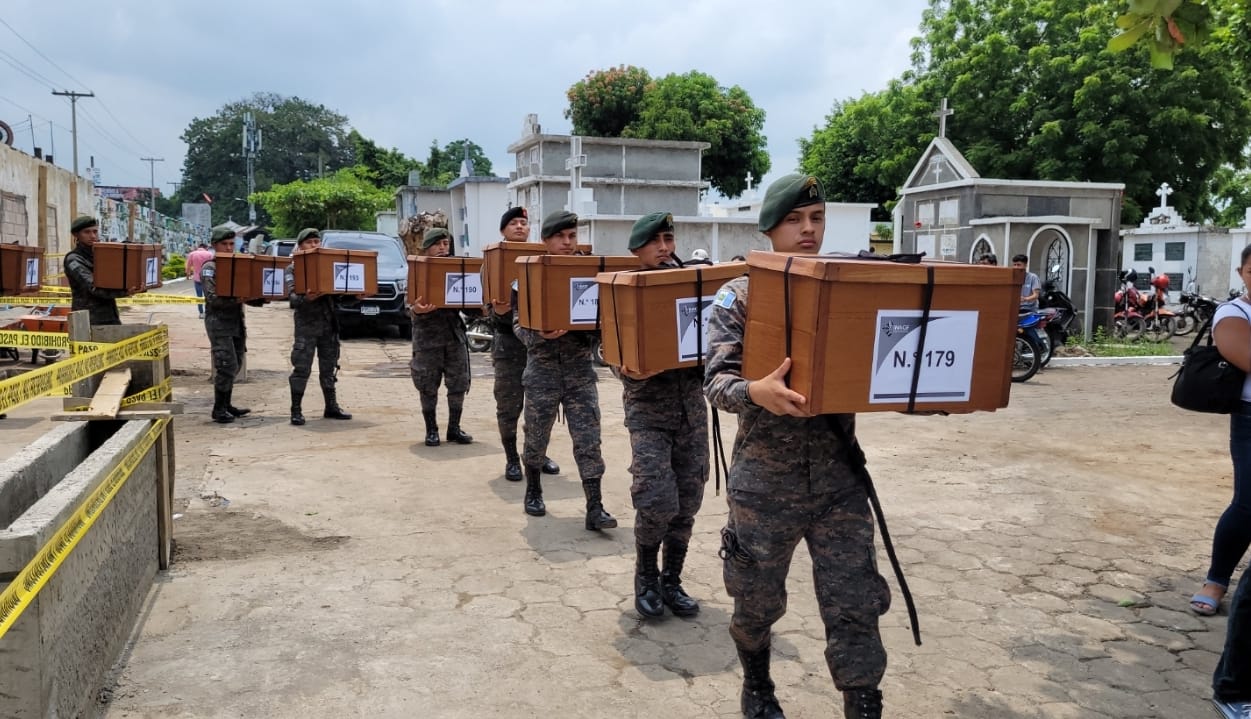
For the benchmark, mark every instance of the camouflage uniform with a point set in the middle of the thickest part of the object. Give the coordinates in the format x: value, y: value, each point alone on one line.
x: 668, y: 423
x: 790, y: 480
x: 440, y: 353
x: 316, y: 330
x: 508, y: 356
x: 101, y: 305
x: 223, y: 321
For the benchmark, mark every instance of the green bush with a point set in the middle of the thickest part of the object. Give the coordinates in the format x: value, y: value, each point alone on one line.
x: 176, y: 267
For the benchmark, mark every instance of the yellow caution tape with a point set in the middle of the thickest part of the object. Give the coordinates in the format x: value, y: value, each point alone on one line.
x: 53, y: 257
x: 35, y: 340
x: 159, y: 393
x: 145, y: 298
x: 54, y: 290
x: 47, y: 380
x: 21, y: 593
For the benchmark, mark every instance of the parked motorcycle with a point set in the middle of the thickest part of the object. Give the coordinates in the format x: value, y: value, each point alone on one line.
x: 1127, y: 321
x: 1027, y: 354
x: 480, y: 333
x: 1062, y: 322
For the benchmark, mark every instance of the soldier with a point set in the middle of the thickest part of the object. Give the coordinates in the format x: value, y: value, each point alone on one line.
x: 668, y: 423
x: 559, y: 374
x: 80, y: 265
x: 440, y: 352
x: 508, y: 356
x: 223, y: 321
x: 316, y: 330
x: 791, y: 479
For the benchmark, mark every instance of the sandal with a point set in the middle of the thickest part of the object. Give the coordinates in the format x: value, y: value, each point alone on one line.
x: 1206, y: 606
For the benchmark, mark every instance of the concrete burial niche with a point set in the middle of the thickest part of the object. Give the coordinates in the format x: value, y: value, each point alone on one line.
x: 53, y: 660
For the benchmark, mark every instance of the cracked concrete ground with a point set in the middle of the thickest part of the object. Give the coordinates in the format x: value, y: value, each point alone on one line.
x: 352, y: 571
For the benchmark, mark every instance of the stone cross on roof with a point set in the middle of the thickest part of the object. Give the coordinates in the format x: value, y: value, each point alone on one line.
x: 943, y: 113
x: 1164, y: 192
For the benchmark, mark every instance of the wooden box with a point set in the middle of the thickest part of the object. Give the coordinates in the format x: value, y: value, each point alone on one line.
x: 499, y: 266
x: 446, y: 281
x: 853, y: 330
x: 21, y: 269
x: 233, y: 276
x: 269, y: 276
x: 336, y: 272
x: 127, y: 266
x: 657, y: 320
x: 559, y: 292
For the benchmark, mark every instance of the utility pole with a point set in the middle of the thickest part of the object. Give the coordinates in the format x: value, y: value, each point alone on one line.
x: 32, y: 133
x: 251, y: 147
x: 73, y: 96
x: 152, y: 182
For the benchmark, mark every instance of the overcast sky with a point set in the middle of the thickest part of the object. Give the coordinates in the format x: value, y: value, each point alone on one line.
x: 405, y: 73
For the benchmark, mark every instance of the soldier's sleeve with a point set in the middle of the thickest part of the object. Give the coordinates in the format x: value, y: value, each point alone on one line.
x: 528, y: 337
x: 80, y: 274
x: 208, y: 278
x: 723, y: 366
x: 292, y: 298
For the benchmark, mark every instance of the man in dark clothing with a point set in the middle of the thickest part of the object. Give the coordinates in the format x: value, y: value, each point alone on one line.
x: 791, y: 480
x: 508, y: 356
x: 668, y: 423
x: 440, y: 353
x: 80, y: 265
x: 316, y: 330
x: 223, y: 321
x: 559, y: 373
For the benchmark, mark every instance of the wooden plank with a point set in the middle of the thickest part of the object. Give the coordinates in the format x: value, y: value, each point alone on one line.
x: 79, y: 328
x: 78, y: 404
x: 108, y: 398
x: 164, y: 497
x: 122, y: 416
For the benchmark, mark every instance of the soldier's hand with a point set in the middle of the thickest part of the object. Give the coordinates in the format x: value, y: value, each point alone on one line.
x: 312, y: 296
x: 639, y: 376
x: 553, y: 334
x: 421, y: 308
x: 772, y: 394
x: 502, y: 307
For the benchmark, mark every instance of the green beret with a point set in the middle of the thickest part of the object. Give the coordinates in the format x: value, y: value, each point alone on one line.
x: 307, y: 233
x: 433, y: 235
x: 222, y: 233
x: 558, y: 221
x: 648, y: 227
x: 81, y: 223
x: 788, y: 193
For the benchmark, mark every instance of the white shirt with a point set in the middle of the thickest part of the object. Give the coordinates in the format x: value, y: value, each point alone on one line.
x: 1230, y: 309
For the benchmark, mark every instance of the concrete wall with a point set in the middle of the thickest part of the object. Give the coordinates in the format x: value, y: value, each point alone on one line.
x: 411, y: 200
x: 477, y: 204
x: 53, y: 660
x: 67, y: 196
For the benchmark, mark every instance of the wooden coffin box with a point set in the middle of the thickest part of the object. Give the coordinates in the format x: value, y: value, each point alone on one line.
x: 656, y: 320
x: 446, y: 281
x: 269, y: 276
x: 499, y: 266
x: 21, y: 269
x: 559, y: 292
x: 127, y: 266
x: 336, y: 272
x: 853, y: 331
x: 233, y: 276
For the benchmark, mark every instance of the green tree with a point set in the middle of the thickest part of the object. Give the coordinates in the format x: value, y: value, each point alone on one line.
x: 386, y: 169
x: 343, y: 201
x: 694, y: 107
x: 1164, y: 27
x: 302, y: 140
x: 605, y: 102
x: 443, y: 165
x: 1231, y: 196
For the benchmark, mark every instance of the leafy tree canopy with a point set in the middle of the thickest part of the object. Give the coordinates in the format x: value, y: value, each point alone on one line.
x: 443, y: 165
x: 385, y: 169
x: 343, y: 201
x: 605, y: 102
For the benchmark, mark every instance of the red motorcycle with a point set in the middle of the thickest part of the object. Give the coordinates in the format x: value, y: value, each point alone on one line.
x: 1160, y: 322
x: 1128, y: 322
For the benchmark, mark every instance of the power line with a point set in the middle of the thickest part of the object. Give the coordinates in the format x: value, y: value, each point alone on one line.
x: 40, y: 54
x: 95, y: 124
x: 28, y: 73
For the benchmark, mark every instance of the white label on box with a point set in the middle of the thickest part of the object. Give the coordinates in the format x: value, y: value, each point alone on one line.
x: 946, y: 362
x: 583, y: 300
x: 349, y: 277
x: 463, y: 289
x: 693, y: 318
x: 32, y: 272
x: 153, y: 271
x: 273, y: 282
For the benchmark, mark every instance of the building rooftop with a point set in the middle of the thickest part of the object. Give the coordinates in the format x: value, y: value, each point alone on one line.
x: 532, y: 140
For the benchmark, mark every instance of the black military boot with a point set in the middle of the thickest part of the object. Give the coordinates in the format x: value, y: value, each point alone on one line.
x: 647, y: 582
x: 596, y: 517
x: 550, y: 467
x: 675, y: 597
x: 220, y: 402
x: 297, y: 412
x: 512, y: 462
x: 454, y: 433
x: 758, y: 700
x: 862, y: 704
x: 333, y: 410
x: 432, y: 429
x: 233, y: 410
x: 534, y: 493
